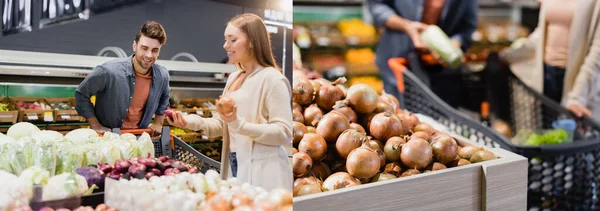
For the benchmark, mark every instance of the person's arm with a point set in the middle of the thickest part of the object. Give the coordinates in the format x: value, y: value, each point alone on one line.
x: 468, y: 25
x: 584, y: 83
x: 278, y: 130
x: 525, y: 51
x: 385, y: 16
x: 212, y: 127
x: 91, y: 85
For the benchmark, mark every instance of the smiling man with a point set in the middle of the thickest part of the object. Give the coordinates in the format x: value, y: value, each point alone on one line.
x: 129, y: 91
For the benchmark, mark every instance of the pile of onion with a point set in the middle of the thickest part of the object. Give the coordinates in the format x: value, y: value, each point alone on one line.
x: 358, y: 137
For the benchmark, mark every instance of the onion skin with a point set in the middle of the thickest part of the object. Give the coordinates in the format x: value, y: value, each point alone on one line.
x: 298, y: 107
x: 482, y: 155
x: 416, y: 154
x: 376, y: 144
x: 459, y: 162
x: 421, y: 135
x: 424, y: 127
x: 297, y: 116
x: 299, y: 182
x: 321, y: 170
x: 314, y: 145
x: 410, y: 172
x: 393, y: 101
x: 349, y: 140
x: 444, y: 148
x: 342, y: 107
x: 299, y: 131
x: 363, y: 98
x: 301, y: 164
x: 385, y: 125
x: 435, y: 166
x: 303, y: 92
x: 466, y: 152
x: 312, y: 113
x: 327, y: 95
x: 384, y: 107
x: 382, y: 177
x: 332, y: 125
x: 357, y: 127
x: 309, y: 189
x: 363, y: 162
x: 311, y: 129
x: 340, y: 180
x: 393, y: 168
x: 392, y: 148
x: 409, y: 121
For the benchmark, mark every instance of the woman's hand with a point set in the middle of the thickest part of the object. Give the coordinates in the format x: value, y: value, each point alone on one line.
x: 230, y: 117
x: 579, y: 110
x: 177, y: 121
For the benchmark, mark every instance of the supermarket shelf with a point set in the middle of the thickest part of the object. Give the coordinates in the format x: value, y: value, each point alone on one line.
x: 328, y: 2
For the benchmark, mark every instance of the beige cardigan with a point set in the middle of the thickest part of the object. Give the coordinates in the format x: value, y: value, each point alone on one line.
x: 583, y: 58
x: 263, y: 134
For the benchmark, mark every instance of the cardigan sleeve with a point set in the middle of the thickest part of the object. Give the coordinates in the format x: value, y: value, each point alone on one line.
x: 212, y: 127
x: 278, y: 130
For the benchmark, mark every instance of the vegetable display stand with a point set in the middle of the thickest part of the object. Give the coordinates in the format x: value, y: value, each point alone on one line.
x: 174, y: 147
x: 561, y: 177
x: 11, y: 114
x: 32, y: 110
x: 64, y: 110
x: 499, y: 184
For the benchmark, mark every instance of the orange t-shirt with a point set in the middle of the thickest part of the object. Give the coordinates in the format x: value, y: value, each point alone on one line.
x: 432, y: 11
x: 140, y: 96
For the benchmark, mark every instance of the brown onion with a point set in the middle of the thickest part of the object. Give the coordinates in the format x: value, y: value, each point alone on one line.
x: 225, y: 105
x: 312, y: 113
x: 382, y: 177
x: 383, y: 107
x: 466, y: 152
x: 309, y: 189
x: 297, y: 116
x: 393, y: 168
x: 357, y: 127
x: 303, y: 92
x: 444, y: 148
x: 343, y: 88
x: 381, y: 157
x: 316, y: 84
x: 314, y: 145
x: 362, y: 98
x: 458, y: 162
x: 385, y: 125
x: 409, y: 121
x: 340, y: 180
x: 363, y: 162
x: 424, y: 127
x: 416, y: 154
x: 435, y: 166
x: 392, y: 148
x: 321, y: 170
x: 332, y: 125
x: 297, y: 107
x: 376, y: 144
x: 327, y: 95
x: 410, y: 172
x: 332, y: 156
x: 301, y: 164
x: 390, y: 99
x: 421, y: 135
x: 311, y: 129
x: 349, y: 140
x: 299, y: 131
x: 298, y: 183
x: 343, y: 108
x: 339, y: 166
x: 482, y: 155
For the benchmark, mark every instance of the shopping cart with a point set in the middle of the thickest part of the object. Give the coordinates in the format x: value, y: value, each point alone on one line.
x: 560, y: 177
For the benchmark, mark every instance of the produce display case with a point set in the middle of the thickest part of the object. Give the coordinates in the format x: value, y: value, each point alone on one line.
x: 64, y: 110
x: 498, y: 184
x: 204, y: 107
x: 562, y: 176
x: 33, y: 115
x: 10, y: 116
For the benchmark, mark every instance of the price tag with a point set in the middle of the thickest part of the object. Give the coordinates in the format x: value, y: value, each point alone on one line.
x: 65, y: 116
x: 200, y: 112
x: 48, y: 117
x: 32, y: 116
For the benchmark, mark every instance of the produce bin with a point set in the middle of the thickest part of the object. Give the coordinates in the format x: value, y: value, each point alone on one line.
x: 11, y: 115
x: 33, y: 115
x: 561, y: 177
x: 65, y: 115
x: 499, y: 184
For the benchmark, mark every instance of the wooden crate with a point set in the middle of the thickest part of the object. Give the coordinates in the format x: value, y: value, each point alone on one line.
x: 70, y: 115
x: 10, y: 116
x: 31, y: 115
x: 499, y: 184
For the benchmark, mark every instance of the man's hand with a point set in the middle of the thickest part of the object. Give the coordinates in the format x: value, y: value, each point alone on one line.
x: 177, y: 120
x: 95, y: 125
x: 413, y: 29
x: 579, y: 110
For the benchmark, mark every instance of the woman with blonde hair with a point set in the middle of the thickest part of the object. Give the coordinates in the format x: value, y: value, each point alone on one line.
x: 260, y: 125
